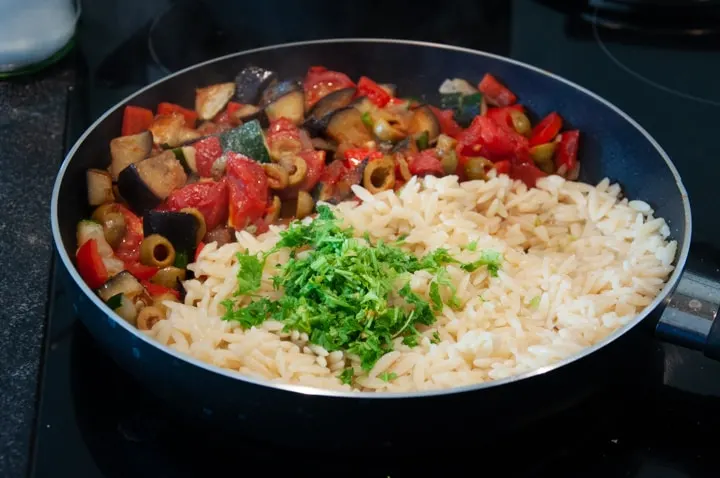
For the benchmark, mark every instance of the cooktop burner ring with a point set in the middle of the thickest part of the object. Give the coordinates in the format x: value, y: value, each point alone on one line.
x: 638, y: 75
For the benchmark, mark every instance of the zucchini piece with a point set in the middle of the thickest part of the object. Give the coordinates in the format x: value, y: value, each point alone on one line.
x: 127, y: 150
x: 251, y: 82
x: 457, y: 85
x: 211, y: 100
x: 423, y: 119
x: 247, y: 139
x: 321, y: 112
x: 99, y: 186
x: 180, y: 228
x: 169, y: 131
x: 146, y: 184
x: 290, y: 106
x: 346, y: 126
x: 186, y: 156
x: 465, y: 107
x: 121, y: 283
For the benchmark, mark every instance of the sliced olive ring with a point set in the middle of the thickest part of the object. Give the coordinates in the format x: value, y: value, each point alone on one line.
x: 542, y: 155
x: 274, y: 213
x: 157, y: 251
x: 296, y: 167
x: 475, y: 168
x: 379, y: 175
x: 113, y: 223
x: 403, y: 166
x: 149, y: 316
x: 520, y: 122
x: 305, y: 205
x: 284, y: 147
x: 277, y: 176
x: 449, y: 162
x: 168, y: 277
x: 202, y: 228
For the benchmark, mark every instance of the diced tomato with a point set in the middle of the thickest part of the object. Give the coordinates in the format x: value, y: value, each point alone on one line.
x: 198, y: 250
x: 355, y: 156
x: 373, y: 91
x: 248, y: 188
x: 207, y: 151
x: 495, y: 92
x: 526, y: 172
x: 485, y: 137
x: 210, y: 198
x: 155, y: 290
x: 447, y: 122
x: 283, y: 135
x: 566, y: 153
x: 129, y: 248
x: 501, y: 115
x: 140, y: 271
x: 136, y: 120
x: 333, y: 173
x: 90, y: 264
x: 546, y: 130
x: 503, y: 167
x: 320, y: 81
x: 226, y: 116
x: 425, y: 162
x: 169, y: 108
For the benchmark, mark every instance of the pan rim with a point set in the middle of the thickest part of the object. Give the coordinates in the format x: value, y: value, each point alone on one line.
x: 663, y: 296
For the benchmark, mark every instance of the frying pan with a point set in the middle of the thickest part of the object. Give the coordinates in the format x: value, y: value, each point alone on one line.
x: 613, y: 146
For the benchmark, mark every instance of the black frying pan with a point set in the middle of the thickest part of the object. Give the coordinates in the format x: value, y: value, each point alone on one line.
x: 613, y: 146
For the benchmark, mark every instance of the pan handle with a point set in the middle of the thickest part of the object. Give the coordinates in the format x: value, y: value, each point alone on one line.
x: 689, y: 317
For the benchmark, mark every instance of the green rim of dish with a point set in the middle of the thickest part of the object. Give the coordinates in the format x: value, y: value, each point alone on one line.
x: 35, y: 67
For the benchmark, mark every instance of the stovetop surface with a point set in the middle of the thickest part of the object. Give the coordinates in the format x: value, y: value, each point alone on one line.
x: 94, y: 420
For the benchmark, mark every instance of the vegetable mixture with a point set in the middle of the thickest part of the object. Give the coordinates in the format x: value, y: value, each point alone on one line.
x: 263, y: 150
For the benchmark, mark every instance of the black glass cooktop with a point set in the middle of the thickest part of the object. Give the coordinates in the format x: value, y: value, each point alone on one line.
x: 94, y: 420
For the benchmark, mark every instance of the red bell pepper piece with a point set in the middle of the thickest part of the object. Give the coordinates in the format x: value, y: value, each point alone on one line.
x: 447, y: 122
x: 566, y: 153
x: 155, y: 290
x: 320, y: 81
x: 207, y: 151
x: 355, y: 156
x: 425, y: 162
x: 90, y: 264
x: 136, y: 120
x: 140, y: 271
x: 170, y: 108
x: 198, y: 250
x: 546, y: 130
x: 373, y: 91
x: 495, y: 92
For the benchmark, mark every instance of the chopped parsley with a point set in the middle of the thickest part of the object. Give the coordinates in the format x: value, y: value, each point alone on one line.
x: 535, y: 302
x: 346, y: 375
x: 347, y: 293
x: 488, y: 258
x: 435, y: 338
x: 472, y: 247
x: 181, y: 259
x: 367, y: 119
x: 387, y: 376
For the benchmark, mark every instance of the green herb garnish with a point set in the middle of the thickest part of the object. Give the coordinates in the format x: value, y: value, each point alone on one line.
x: 387, y: 376
x: 535, y: 302
x: 435, y: 338
x: 346, y: 375
x: 472, y: 247
x: 115, y: 301
x: 346, y: 293
x: 181, y: 259
x: 367, y: 119
x: 488, y: 258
